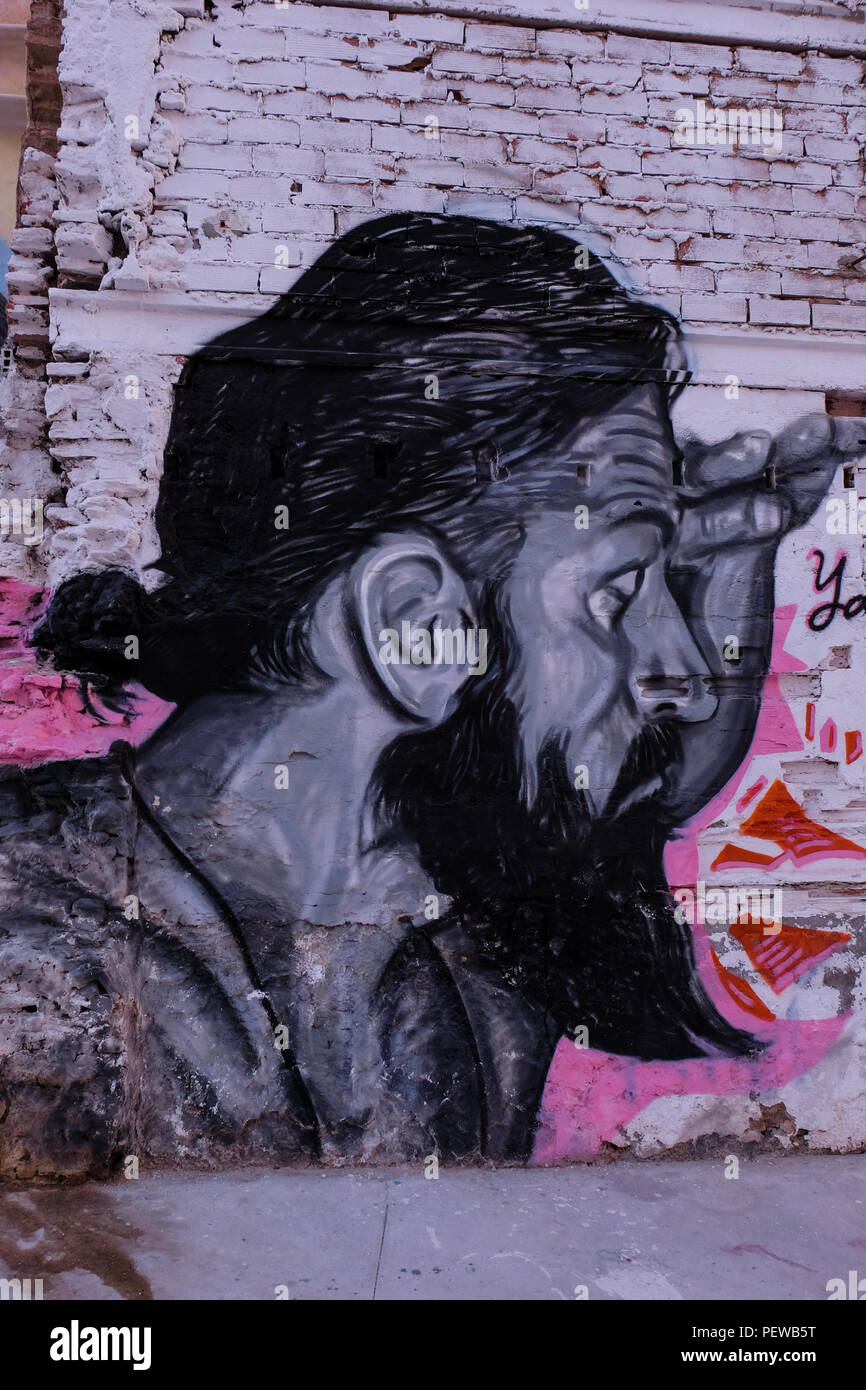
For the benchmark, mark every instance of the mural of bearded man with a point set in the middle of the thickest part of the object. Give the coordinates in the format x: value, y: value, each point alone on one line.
x: 374, y: 878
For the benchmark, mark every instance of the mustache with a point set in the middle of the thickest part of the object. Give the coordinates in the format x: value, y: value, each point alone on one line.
x: 654, y: 752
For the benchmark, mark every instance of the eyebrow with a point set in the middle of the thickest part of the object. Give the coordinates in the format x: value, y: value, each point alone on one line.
x: 658, y: 516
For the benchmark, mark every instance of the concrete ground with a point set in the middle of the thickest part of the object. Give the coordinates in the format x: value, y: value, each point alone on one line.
x: 624, y: 1230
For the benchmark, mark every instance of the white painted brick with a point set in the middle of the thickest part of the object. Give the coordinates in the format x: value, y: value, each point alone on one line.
x: 459, y: 60
x: 501, y: 38
x: 610, y: 216
x: 742, y: 222
x: 409, y: 140
x: 638, y: 50
x: 544, y: 153
x: 802, y: 172
x: 823, y: 200
x: 504, y: 120
x: 498, y: 178
x: 439, y: 173
x: 634, y: 187
x: 679, y: 220
x: 823, y: 255
x: 271, y: 74
x: 296, y: 104
x: 759, y: 196
x: 812, y: 284
x: 584, y: 130
x: 774, y: 254
x: 414, y: 86
x: 769, y: 60
x: 257, y: 190
x: 403, y: 195
x: 242, y: 278
x: 303, y: 43
x: 795, y: 226
x: 742, y: 90
x: 677, y: 84
x: 821, y: 67
x: 475, y: 94
x: 429, y: 28
x: 713, y: 250
x: 714, y: 308
x: 569, y: 43
x: 338, y: 195
x: 288, y: 219
x: 466, y: 204
x: 451, y: 115
x: 701, y: 55
x: 609, y: 157
x: 194, y: 183
x: 787, y: 312
x: 212, y: 128
x: 536, y: 70
x: 366, y: 109
x: 340, y: 135
x: 383, y: 54
x: 205, y: 99
x: 672, y: 275
x: 295, y: 161
x: 759, y: 282
x: 818, y: 94
x: 348, y: 164
x: 196, y: 155
x: 528, y: 209
x: 251, y: 43
x: 614, y: 103
x: 338, y: 80
x: 264, y: 130
x: 586, y: 73
x: 541, y: 99
x: 353, y: 21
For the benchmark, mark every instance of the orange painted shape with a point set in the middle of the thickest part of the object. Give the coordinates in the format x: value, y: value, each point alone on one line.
x: 742, y: 993
x: 732, y: 857
x: 853, y: 745
x: 780, y: 818
x: 783, y: 958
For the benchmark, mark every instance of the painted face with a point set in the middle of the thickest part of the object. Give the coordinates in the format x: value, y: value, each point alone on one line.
x: 605, y: 656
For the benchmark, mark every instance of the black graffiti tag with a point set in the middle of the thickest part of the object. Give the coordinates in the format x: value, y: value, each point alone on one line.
x: 822, y: 616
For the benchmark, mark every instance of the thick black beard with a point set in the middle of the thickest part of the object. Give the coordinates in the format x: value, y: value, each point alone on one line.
x: 574, y: 912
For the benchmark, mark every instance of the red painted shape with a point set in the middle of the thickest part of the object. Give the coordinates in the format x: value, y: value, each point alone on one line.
x: 741, y: 992
x: 750, y: 794
x: 828, y: 736
x: 732, y: 857
x: 783, y: 958
x: 810, y: 720
x: 853, y: 745
x: 780, y: 818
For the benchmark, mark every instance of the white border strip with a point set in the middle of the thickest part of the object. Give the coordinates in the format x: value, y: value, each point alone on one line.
x: 161, y: 323
x: 676, y: 19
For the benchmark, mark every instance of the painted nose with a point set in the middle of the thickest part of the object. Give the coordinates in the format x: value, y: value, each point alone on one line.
x: 671, y: 679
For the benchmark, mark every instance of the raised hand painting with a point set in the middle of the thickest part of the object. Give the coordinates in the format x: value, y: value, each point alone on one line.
x: 444, y: 612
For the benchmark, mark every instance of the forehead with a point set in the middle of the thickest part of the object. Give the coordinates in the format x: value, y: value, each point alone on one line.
x: 620, y: 464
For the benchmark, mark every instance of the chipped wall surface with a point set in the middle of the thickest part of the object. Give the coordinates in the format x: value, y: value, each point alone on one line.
x: 185, y: 169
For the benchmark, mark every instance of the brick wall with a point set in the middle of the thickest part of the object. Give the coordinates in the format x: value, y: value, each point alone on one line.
x: 206, y: 152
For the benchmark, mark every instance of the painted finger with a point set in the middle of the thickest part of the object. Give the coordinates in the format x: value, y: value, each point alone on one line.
x: 817, y: 441
x: 736, y: 460
x: 747, y: 517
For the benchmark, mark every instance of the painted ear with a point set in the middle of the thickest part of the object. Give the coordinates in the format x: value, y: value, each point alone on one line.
x: 414, y: 615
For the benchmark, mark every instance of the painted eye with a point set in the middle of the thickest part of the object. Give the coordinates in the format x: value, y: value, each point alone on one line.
x: 608, y: 604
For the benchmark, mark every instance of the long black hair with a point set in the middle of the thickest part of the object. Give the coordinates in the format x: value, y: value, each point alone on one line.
x: 418, y: 359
